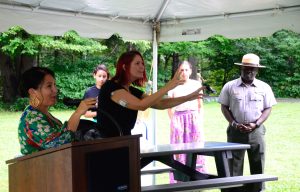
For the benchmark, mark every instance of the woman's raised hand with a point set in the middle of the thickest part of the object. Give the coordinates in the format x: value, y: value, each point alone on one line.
x: 176, y: 80
x: 86, y: 104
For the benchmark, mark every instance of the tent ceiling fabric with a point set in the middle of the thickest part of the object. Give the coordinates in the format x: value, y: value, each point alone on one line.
x: 179, y: 20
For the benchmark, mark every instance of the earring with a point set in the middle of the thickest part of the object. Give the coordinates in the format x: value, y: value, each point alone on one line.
x: 35, y: 102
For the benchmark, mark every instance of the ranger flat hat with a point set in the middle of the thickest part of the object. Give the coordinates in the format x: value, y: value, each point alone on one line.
x: 250, y: 60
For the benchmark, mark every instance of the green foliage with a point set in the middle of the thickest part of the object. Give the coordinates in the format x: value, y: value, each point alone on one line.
x: 223, y: 53
x: 16, y: 41
x: 18, y: 105
x: 73, y: 58
x: 61, y: 54
x: 72, y: 42
x: 281, y: 54
x: 184, y: 49
x: 217, y: 55
x: 71, y: 85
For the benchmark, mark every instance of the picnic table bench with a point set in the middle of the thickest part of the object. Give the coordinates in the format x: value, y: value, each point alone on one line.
x: 220, y: 183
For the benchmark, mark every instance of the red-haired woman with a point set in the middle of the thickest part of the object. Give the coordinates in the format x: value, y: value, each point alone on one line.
x: 120, y: 100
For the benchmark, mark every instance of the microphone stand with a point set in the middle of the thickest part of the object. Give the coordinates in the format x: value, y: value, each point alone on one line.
x: 75, y: 102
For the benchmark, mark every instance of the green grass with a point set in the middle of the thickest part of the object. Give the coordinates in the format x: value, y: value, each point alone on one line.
x: 282, y: 138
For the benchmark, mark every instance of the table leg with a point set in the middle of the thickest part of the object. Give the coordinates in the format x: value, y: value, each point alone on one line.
x: 169, y: 160
x: 145, y: 161
x: 222, y: 165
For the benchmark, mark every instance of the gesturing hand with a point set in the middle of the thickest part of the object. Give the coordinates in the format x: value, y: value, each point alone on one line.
x: 197, y: 94
x: 176, y: 80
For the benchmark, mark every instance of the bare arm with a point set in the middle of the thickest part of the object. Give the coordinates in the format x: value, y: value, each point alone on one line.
x: 264, y: 116
x: 227, y: 113
x: 200, y: 105
x: 135, y: 103
x: 229, y: 117
x: 172, y: 102
x: 170, y: 112
x: 171, y: 109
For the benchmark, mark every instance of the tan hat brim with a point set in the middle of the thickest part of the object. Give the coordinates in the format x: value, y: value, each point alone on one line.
x: 250, y: 65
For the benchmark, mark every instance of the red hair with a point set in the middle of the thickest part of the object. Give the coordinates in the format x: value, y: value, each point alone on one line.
x: 123, y: 73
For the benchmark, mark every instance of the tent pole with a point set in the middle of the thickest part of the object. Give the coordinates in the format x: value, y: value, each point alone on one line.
x: 154, y: 82
x: 154, y: 89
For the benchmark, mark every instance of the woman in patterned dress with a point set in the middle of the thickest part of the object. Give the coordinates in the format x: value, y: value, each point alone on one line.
x: 186, y: 122
x: 38, y: 128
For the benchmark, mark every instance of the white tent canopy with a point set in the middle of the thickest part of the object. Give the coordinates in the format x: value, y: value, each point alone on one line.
x: 176, y: 20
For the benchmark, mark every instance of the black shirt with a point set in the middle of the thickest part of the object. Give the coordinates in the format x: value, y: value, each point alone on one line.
x: 108, y: 110
x: 92, y: 92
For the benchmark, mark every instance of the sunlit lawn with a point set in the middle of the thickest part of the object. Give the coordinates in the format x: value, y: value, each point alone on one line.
x: 282, y: 138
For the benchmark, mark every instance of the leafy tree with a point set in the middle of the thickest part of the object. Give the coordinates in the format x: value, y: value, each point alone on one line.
x: 282, y: 56
x: 170, y: 54
x: 223, y: 53
x: 17, y: 50
x: 20, y: 51
x: 73, y: 58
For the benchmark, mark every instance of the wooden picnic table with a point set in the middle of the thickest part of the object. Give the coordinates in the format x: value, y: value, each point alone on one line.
x: 221, y: 151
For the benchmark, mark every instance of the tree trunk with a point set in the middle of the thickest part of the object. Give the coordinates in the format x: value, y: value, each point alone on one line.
x: 193, y: 62
x: 8, y: 78
x: 175, y: 63
x: 11, y: 71
x: 167, y: 58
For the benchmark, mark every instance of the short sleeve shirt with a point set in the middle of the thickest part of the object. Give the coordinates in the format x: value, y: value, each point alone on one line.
x: 247, y: 102
x: 91, y: 92
x: 185, y: 89
x: 109, y: 111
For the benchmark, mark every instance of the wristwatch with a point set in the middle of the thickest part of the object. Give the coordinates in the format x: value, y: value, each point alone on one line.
x: 257, y: 125
x: 233, y: 124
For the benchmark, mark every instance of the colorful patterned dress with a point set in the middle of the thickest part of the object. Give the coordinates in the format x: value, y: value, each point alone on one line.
x: 186, y: 125
x: 38, y: 132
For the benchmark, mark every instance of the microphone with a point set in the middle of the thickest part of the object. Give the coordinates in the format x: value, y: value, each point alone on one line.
x: 75, y: 102
x: 71, y: 102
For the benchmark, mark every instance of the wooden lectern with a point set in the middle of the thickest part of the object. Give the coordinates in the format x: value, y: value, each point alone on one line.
x: 107, y: 165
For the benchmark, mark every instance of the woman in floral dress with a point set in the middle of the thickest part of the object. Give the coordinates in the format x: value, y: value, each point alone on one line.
x: 38, y: 128
x: 186, y: 119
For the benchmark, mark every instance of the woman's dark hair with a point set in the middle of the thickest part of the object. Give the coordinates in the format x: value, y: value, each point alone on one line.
x: 101, y: 67
x: 33, y: 78
x: 122, y: 76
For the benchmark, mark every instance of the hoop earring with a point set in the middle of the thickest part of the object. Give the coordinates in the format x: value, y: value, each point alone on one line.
x: 35, y: 102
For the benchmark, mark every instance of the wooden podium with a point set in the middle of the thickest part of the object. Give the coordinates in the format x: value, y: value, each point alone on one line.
x: 107, y: 165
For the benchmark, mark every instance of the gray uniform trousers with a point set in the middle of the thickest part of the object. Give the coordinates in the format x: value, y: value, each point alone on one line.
x: 256, y: 154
